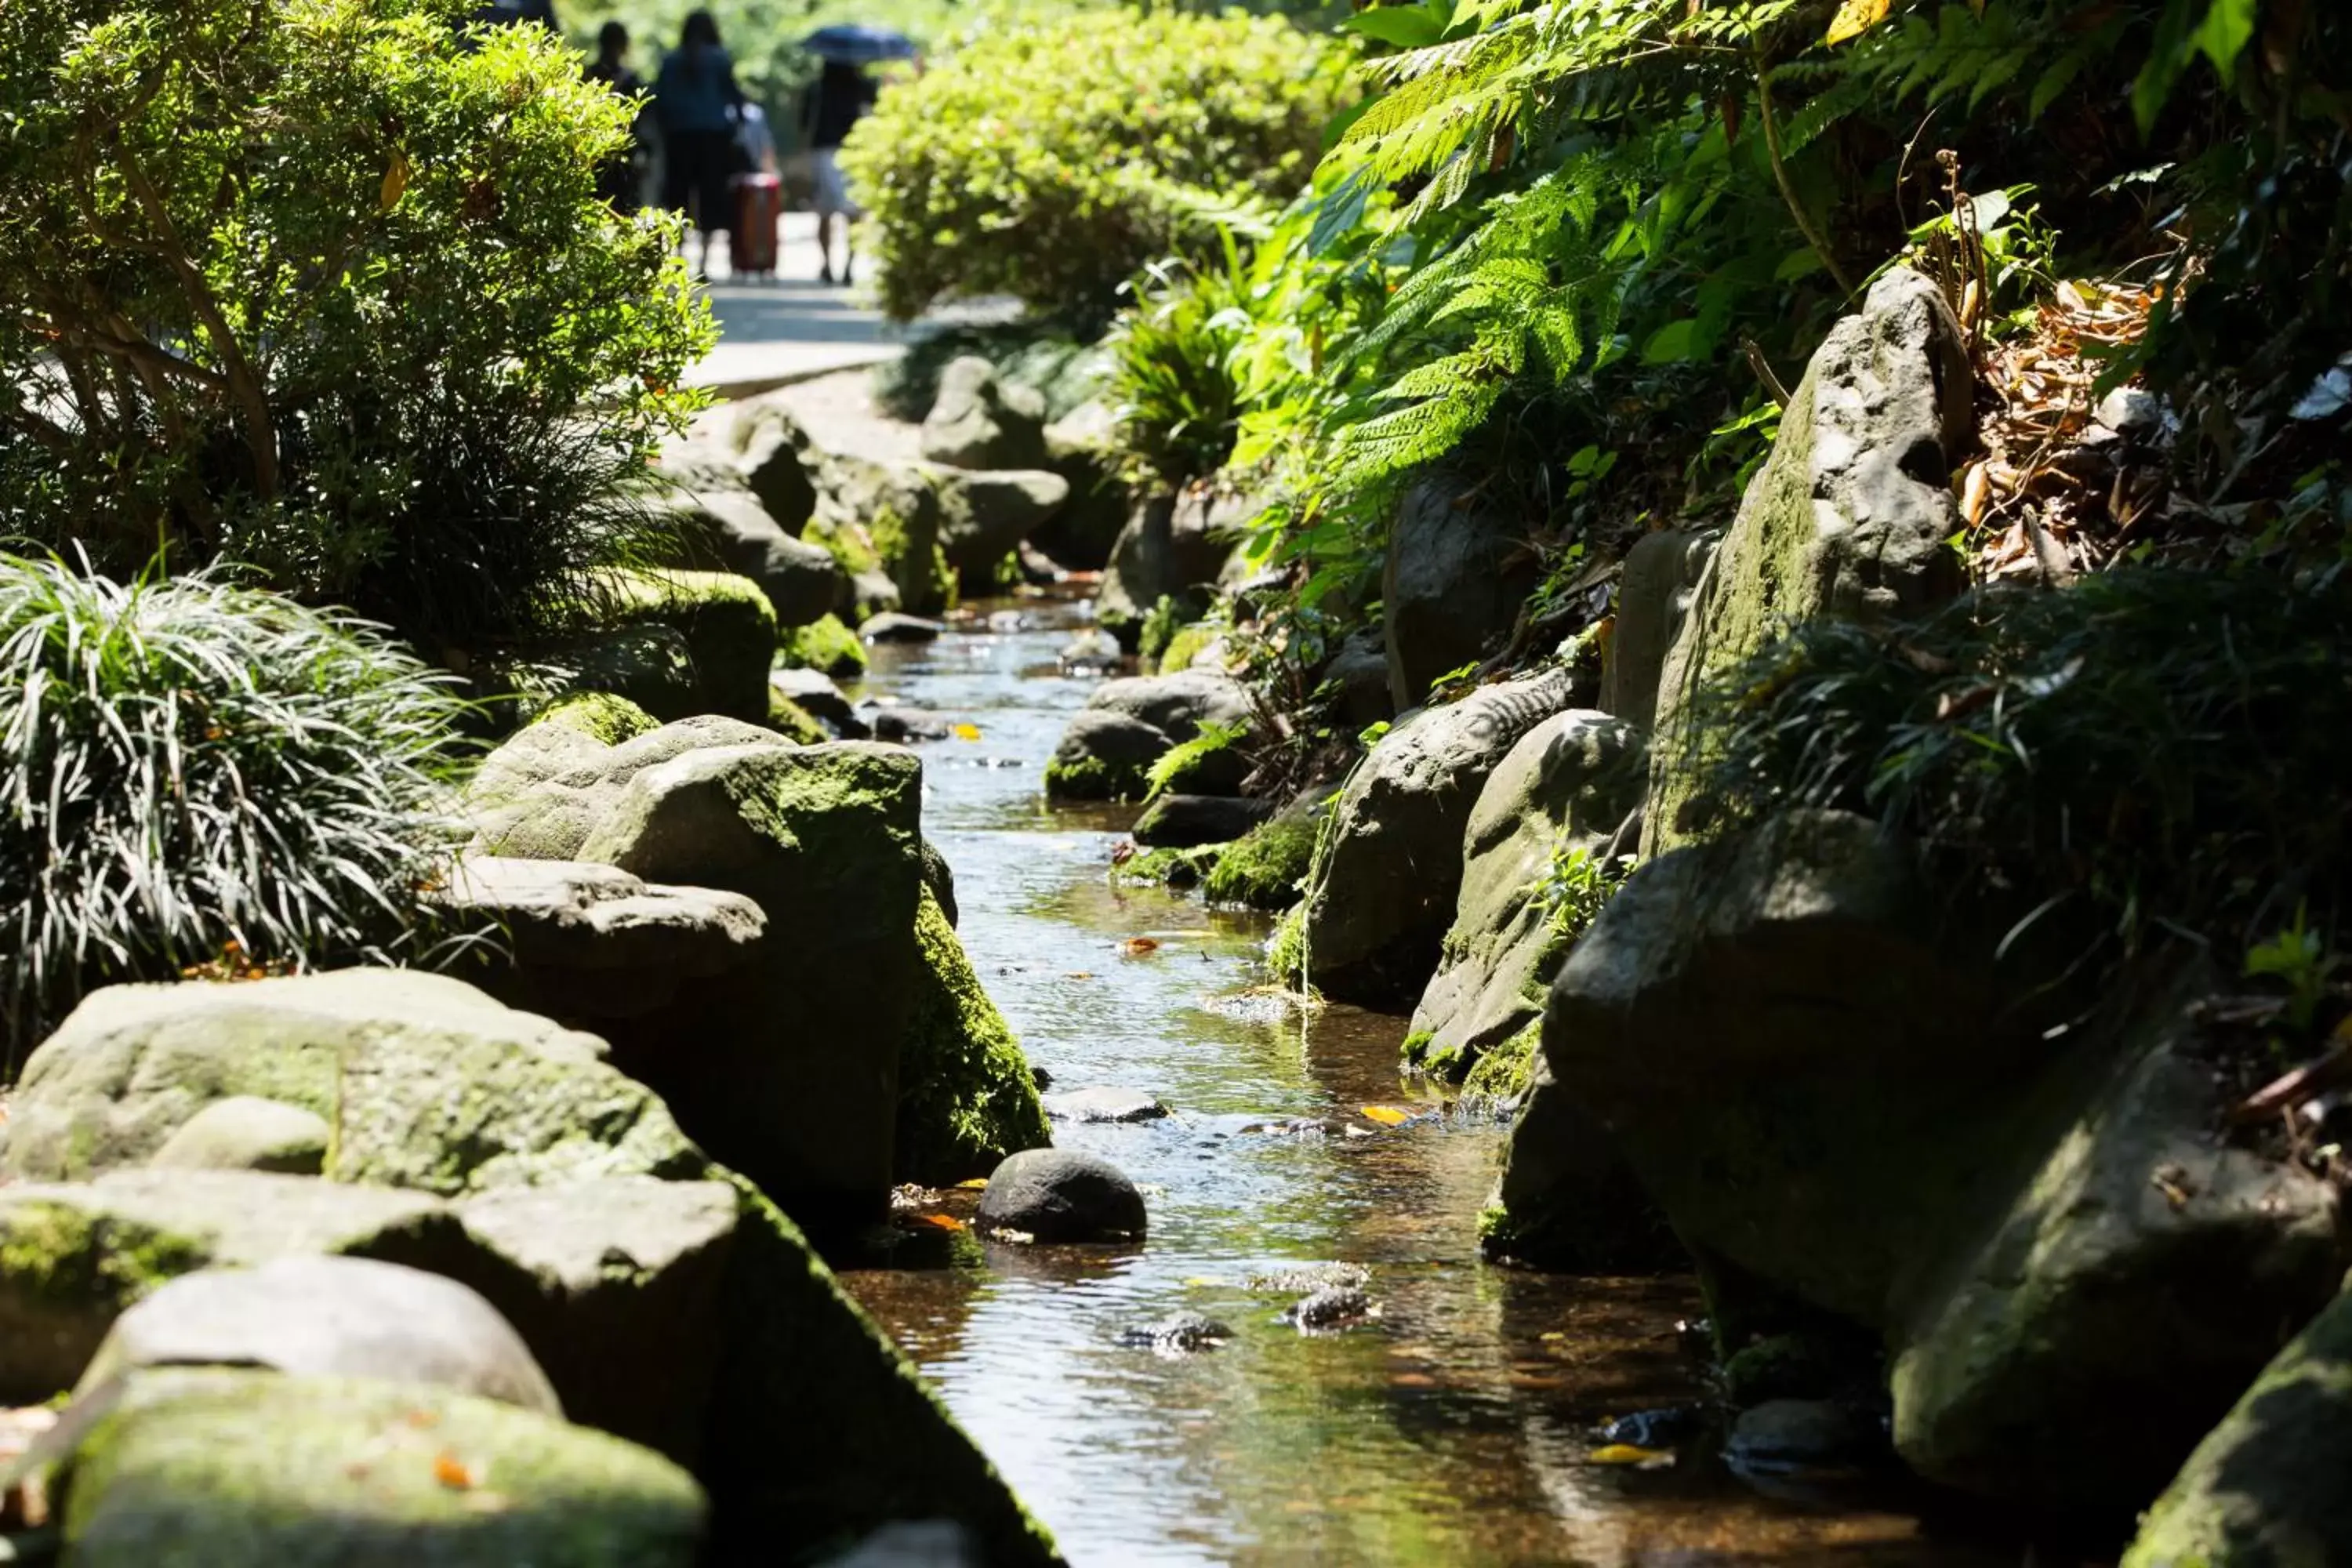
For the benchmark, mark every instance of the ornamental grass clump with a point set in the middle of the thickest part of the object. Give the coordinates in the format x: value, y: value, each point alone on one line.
x: 199, y: 775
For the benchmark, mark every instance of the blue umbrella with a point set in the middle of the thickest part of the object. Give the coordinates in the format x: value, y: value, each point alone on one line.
x: 859, y: 44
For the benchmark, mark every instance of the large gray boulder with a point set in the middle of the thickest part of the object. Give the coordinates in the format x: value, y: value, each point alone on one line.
x: 1173, y: 546
x: 2266, y: 1488
x: 1180, y: 705
x: 74, y: 1256
x: 982, y: 516
x: 1452, y: 586
x: 1391, y: 867
x: 775, y: 459
x: 1566, y: 786
x: 980, y: 421
x: 1356, y: 681
x: 1825, y: 1080
x: 593, y: 940
x: 729, y: 530
x: 661, y: 1295
x: 428, y: 1082
x: 1848, y: 516
x: 1566, y: 1199
x: 327, y: 1317
x: 2137, y: 1244
x: 1659, y: 579
x: 786, y: 1069
x: 221, y: 1467
x: 1129, y: 723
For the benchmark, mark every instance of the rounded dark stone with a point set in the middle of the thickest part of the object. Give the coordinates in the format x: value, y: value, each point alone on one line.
x: 1059, y: 1195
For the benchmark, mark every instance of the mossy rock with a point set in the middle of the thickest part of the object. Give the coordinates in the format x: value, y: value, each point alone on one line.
x: 1264, y: 868
x: 847, y: 542
x: 601, y: 716
x: 827, y: 645
x: 1187, y: 643
x: 428, y: 1083
x: 221, y: 1467
x: 1172, y: 868
x: 2267, y: 1487
x: 794, y: 722
x: 728, y: 627
x: 1503, y: 1076
x: 966, y: 1099
x: 1286, y: 948
x: 649, y: 667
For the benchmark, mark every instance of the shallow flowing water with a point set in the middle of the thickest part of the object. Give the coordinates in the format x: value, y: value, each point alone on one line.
x: 1454, y: 1428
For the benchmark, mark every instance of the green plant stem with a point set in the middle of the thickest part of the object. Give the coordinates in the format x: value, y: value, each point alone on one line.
x: 1805, y: 225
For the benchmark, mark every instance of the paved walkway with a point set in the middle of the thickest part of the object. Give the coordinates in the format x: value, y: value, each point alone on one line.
x: 781, y: 331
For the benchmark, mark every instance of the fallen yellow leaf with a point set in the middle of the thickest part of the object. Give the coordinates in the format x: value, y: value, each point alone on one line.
x: 451, y: 1472
x: 973, y: 1185
x: 967, y: 731
x: 1387, y: 1115
x: 1628, y: 1454
x: 1136, y: 946
x: 1855, y: 18
x: 939, y: 1221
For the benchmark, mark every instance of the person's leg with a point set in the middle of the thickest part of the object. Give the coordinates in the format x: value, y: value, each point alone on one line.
x: 824, y: 247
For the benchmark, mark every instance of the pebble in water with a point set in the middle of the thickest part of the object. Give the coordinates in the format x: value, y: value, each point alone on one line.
x: 1180, y: 1336
x: 1329, y: 1308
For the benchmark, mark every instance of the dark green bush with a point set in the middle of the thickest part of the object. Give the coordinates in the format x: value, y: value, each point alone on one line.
x: 197, y: 773
x: 323, y: 287
x: 2156, y: 748
x: 1051, y: 160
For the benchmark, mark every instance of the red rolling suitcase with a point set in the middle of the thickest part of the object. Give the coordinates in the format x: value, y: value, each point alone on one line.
x: 759, y: 204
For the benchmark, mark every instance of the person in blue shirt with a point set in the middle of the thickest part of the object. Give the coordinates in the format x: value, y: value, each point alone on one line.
x: 696, y: 105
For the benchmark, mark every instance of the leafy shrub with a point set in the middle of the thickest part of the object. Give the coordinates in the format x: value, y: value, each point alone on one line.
x: 1173, y: 387
x: 2158, y: 748
x: 1050, y: 160
x: 323, y: 287
x: 201, y: 772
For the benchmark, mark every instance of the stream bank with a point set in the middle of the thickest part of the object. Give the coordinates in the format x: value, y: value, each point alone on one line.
x: 1457, y: 1426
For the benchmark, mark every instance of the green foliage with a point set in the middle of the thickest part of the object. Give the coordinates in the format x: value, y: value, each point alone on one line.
x: 1161, y: 624
x: 1574, y: 886
x: 198, y: 771
x: 824, y: 644
x: 1185, y: 756
x: 2299, y: 957
x: 1049, y: 159
x: 1266, y: 867
x: 2152, y: 747
x: 1173, y: 387
x: 323, y: 287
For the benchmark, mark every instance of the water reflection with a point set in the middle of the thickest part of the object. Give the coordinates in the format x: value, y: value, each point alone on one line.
x: 1453, y: 1427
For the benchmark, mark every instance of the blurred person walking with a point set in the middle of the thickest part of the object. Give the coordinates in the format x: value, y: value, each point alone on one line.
x: 842, y: 96
x: 621, y: 181
x: 698, y: 106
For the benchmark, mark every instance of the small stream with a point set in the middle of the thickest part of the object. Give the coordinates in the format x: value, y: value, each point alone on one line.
x: 1454, y: 1428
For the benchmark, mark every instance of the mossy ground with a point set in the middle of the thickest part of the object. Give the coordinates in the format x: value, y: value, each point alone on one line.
x: 599, y: 715
x: 824, y: 644
x: 966, y: 1099
x: 1264, y: 868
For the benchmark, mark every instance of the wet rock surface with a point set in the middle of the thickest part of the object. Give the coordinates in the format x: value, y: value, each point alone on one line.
x: 1182, y: 1334
x: 1330, y: 1307
x: 1104, y: 1104
x: 1060, y: 1196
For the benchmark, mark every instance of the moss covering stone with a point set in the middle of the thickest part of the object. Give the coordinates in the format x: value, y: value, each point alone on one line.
x: 1286, y: 950
x: 794, y: 722
x: 1264, y: 868
x: 600, y: 715
x: 427, y: 1083
x: 2267, y: 1487
x: 1171, y: 868
x: 966, y: 1099
x: 1187, y: 645
x: 908, y: 543
x: 728, y: 627
x: 827, y: 645
x: 1095, y: 778
x: 219, y: 1468
x: 847, y: 542
x: 1500, y: 1077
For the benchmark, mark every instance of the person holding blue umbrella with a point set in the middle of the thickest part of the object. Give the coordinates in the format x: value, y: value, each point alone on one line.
x: 842, y: 95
